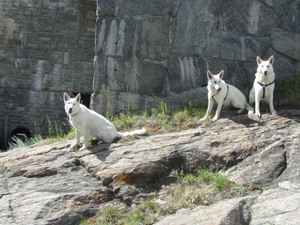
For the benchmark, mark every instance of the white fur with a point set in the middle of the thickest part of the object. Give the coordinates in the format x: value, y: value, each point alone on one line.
x: 91, y: 124
x: 217, y: 91
x: 265, y: 75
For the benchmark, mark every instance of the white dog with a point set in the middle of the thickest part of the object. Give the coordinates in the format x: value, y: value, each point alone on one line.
x: 91, y: 124
x: 223, y: 94
x: 263, y: 85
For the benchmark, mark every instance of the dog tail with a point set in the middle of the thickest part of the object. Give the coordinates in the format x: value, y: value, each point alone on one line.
x: 134, y: 132
x: 249, y: 108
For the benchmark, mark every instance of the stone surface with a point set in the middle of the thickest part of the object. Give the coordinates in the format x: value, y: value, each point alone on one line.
x: 57, y: 186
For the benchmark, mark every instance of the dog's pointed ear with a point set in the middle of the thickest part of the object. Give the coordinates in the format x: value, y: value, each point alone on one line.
x: 258, y: 60
x: 66, y: 97
x: 271, y: 59
x: 221, y: 74
x: 78, y: 97
x: 209, y: 75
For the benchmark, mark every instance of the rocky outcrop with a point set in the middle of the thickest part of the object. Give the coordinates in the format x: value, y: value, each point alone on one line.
x: 48, y: 184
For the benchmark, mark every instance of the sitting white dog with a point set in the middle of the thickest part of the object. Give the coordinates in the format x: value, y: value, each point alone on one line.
x: 91, y: 124
x: 224, y: 95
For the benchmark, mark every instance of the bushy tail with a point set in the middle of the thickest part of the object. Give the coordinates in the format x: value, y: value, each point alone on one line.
x: 249, y: 108
x: 137, y: 132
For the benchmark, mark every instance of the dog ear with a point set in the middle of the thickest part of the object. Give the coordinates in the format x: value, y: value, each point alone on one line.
x: 221, y: 74
x: 209, y: 75
x: 271, y: 59
x: 78, y: 97
x: 258, y: 60
x: 66, y: 97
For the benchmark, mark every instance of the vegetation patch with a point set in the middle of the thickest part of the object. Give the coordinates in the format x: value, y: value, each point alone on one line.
x: 189, y: 191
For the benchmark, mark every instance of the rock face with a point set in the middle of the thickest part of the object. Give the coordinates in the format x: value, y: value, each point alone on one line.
x: 47, y: 184
x: 163, y: 48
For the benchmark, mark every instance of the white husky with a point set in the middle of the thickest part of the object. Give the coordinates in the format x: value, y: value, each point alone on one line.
x: 91, y: 124
x: 223, y: 94
x: 263, y: 85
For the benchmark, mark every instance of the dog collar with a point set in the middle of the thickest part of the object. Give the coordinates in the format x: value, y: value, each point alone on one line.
x: 264, y: 86
x: 218, y: 93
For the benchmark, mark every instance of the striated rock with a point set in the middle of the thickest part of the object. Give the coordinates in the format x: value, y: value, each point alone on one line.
x: 276, y: 207
x: 228, y: 212
x: 47, y: 184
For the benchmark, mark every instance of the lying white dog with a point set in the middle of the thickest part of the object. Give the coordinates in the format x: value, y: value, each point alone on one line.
x: 263, y: 85
x: 91, y: 124
x: 223, y: 94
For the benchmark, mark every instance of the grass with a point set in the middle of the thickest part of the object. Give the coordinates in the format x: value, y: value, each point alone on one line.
x: 54, y: 133
x: 146, y: 213
x: 189, y: 191
x: 287, y: 93
x: 18, y: 142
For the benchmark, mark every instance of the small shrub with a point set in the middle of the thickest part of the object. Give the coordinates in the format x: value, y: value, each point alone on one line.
x: 206, y: 175
x: 220, y: 182
x: 190, y: 178
x: 162, y: 108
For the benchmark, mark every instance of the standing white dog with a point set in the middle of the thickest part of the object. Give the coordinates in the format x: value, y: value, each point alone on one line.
x: 263, y: 85
x: 91, y: 124
x: 223, y: 94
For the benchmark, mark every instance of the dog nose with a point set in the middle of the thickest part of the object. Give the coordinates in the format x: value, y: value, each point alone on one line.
x: 265, y: 72
x: 70, y: 110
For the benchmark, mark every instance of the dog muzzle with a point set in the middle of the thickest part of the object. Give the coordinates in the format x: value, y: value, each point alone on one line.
x: 217, y: 88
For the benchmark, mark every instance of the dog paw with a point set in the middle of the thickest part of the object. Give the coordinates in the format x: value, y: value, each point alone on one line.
x: 202, y: 119
x: 273, y: 112
x: 215, y: 118
x: 258, y: 114
x: 73, y: 147
x: 240, y: 111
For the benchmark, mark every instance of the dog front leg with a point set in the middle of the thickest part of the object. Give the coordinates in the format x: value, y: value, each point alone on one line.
x: 209, y: 108
x: 86, y: 141
x: 257, y: 101
x: 218, y: 111
x: 77, y: 140
x: 271, y: 104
